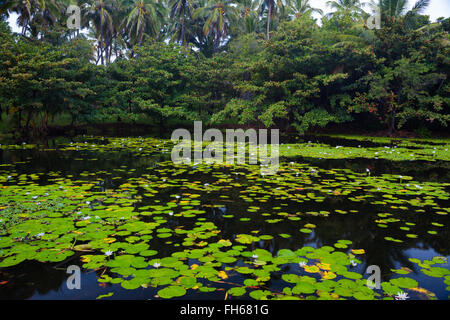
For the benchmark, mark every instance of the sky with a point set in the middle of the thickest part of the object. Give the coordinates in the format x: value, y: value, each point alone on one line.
x: 436, y: 9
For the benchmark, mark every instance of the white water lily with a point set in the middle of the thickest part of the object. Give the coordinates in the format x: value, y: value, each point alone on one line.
x: 85, y: 218
x: 401, y: 296
x: 255, y: 256
x: 353, y: 263
x: 108, y: 253
x: 156, y: 264
x: 40, y: 234
x: 302, y: 264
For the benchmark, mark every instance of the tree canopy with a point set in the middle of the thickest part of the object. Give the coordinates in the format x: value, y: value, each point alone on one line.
x: 267, y: 63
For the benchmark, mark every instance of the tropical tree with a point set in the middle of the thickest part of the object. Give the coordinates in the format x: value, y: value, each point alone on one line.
x: 219, y: 17
x: 397, y: 8
x: 144, y: 18
x: 302, y: 7
x: 249, y: 20
x: 346, y: 7
x: 99, y: 15
x: 274, y: 7
x: 181, y: 11
x: 394, y: 9
x: 269, y: 5
x: 28, y: 10
x: 409, y: 80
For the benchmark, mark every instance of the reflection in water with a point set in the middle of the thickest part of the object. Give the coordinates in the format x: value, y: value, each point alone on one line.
x: 36, y: 280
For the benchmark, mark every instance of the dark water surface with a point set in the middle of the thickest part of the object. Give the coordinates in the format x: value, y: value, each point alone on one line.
x: 109, y: 170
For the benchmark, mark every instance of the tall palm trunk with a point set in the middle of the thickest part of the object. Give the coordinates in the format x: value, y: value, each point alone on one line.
x: 183, y: 42
x: 269, y: 16
x: 101, y: 46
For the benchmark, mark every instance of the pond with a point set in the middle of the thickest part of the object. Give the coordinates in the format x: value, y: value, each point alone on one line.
x: 139, y: 226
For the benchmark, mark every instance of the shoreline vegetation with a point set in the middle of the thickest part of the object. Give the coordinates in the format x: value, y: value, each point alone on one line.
x: 289, y: 71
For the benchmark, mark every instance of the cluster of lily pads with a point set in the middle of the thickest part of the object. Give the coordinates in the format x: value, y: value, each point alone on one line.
x: 183, y: 229
x: 392, y: 150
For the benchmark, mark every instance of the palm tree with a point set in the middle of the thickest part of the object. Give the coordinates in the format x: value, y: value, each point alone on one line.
x: 397, y: 8
x: 393, y: 9
x: 272, y: 6
x: 144, y: 17
x: 302, y: 7
x: 269, y: 4
x: 218, y: 15
x: 26, y: 9
x: 249, y: 20
x: 346, y: 6
x: 181, y: 10
x: 99, y: 13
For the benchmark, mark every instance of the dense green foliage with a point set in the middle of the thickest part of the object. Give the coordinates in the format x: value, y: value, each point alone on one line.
x: 263, y: 64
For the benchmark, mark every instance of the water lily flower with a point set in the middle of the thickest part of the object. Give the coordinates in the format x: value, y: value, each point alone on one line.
x: 401, y: 296
x: 88, y: 202
x: 40, y: 234
x: 35, y: 197
x: 85, y: 218
x: 108, y: 253
x: 255, y: 256
x: 156, y: 264
x: 353, y: 263
x: 302, y: 264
